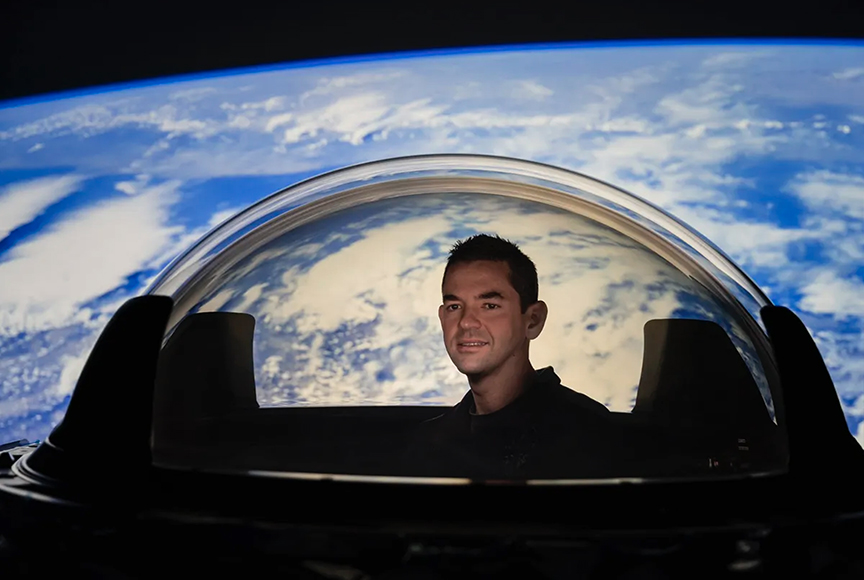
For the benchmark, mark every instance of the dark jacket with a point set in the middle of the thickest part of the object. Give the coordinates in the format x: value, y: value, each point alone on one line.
x: 550, y: 431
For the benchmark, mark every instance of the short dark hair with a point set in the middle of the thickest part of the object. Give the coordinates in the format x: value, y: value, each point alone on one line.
x: 523, y: 273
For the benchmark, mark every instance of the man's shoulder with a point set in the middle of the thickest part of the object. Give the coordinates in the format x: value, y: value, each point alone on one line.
x: 567, y: 399
x: 574, y: 400
x: 446, y: 423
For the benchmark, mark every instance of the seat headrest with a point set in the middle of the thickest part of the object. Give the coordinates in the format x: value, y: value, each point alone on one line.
x: 205, y: 369
x: 693, y: 376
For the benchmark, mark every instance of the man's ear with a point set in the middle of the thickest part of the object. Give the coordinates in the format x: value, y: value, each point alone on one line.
x: 536, y: 314
x: 441, y: 315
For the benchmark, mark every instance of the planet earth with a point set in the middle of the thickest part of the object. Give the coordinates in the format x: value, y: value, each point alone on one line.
x: 756, y: 145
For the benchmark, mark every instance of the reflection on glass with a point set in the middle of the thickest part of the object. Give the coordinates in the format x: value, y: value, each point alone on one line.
x: 345, y: 290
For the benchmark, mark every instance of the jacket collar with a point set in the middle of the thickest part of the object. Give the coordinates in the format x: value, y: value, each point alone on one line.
x: 543, y: 378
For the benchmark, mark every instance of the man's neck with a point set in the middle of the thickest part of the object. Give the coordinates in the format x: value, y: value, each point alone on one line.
x: 495, y: 391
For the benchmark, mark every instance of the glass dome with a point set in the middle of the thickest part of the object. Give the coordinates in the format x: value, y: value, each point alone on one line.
x: 342, y: 274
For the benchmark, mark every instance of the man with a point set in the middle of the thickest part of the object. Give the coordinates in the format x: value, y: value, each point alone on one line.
x: 515, y: 421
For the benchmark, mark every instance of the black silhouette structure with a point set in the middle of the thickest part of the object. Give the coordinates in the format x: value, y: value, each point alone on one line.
x: 180, y: 474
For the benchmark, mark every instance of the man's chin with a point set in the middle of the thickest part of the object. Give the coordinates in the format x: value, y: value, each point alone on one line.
x: 471, y: 364
x: 472, y: 370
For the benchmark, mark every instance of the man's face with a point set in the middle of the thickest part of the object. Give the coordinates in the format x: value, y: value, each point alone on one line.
x: 481, y: 318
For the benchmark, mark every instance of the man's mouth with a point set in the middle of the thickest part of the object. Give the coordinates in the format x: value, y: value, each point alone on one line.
x: 470, y: 344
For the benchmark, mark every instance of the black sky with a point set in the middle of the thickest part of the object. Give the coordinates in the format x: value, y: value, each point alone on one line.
x: 51, y: 46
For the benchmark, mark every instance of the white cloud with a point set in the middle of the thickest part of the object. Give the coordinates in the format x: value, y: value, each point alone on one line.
x: 845, y: 250
x: 710, y: 103
x: 221, y: 216
x: 329, y: 85
x: 849, y: 74
x: 351, y: 117
x: 732, y: 59
x: 676, y: 154
x: 20, y: 405
x: 158, y: 147
x: 857, y: 408
x: 225, y: 160
x: 182, y: 242
x: 469, y: 90
x: 828, y: 293
x: 753, y: 245
x: 132, y: 187
x: 90, y: 119
x: 82, y: 257
x: 268, y: 105
x: 496, y: 119
x: 614, y: 87
x: 624, y: 125
x: 240, y: 122
x: 353, y: 89
x: 192, y: 95
x: 22, y: 201
x: 354, y: 118
x: 826, y: 190
x: 842, y: 354
x: 127, y: 187
x: 72, y: 367
x: 531, y: 90
x: 36, y: 147
x: 277, y: 121
x: 79, y: 118
x: 358, y: 114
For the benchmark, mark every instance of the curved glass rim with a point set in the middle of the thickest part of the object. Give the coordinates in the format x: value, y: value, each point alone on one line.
x: 327, y: 185
x: 200, y: 269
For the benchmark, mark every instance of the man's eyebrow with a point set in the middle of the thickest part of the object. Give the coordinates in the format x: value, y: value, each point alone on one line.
x: 484, y: 296
x: 491, y: 294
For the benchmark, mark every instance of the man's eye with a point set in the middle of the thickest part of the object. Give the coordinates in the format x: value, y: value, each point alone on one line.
x: 490, y: 306
x: 452, y: 306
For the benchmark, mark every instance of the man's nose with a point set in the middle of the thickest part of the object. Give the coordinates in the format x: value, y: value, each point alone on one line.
x: 469, y: 320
